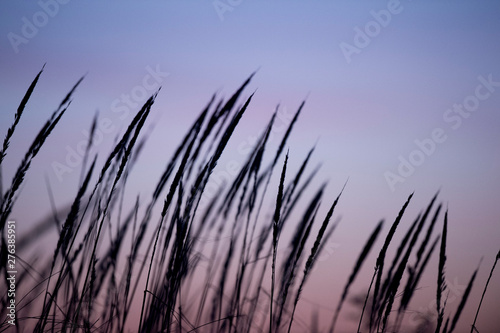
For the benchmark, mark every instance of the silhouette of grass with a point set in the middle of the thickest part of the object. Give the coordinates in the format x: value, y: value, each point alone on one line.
x: 204, y: 265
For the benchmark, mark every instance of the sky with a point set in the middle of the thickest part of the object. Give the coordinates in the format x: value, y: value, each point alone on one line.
x: 401, y: 97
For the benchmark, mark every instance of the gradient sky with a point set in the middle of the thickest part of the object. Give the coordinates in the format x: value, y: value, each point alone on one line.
x: 366, y: 107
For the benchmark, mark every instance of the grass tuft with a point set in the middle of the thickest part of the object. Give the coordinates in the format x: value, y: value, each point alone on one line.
x: 195, y: 261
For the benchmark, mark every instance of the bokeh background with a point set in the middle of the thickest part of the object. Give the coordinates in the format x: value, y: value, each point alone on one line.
x: 378, y: 76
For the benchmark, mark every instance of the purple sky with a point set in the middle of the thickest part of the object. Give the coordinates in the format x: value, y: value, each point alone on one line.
x: 387, y: 104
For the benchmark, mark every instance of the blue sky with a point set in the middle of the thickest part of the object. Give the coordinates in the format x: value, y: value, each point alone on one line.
x: 365, y: 110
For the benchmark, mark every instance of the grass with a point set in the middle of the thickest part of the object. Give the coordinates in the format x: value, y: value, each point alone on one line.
x: 210, y: 265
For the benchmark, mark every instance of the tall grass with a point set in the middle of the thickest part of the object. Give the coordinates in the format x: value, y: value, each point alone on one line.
x: 181, y: 261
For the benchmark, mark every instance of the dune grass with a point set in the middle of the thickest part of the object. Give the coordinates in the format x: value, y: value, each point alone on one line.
x: 188, y: 262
